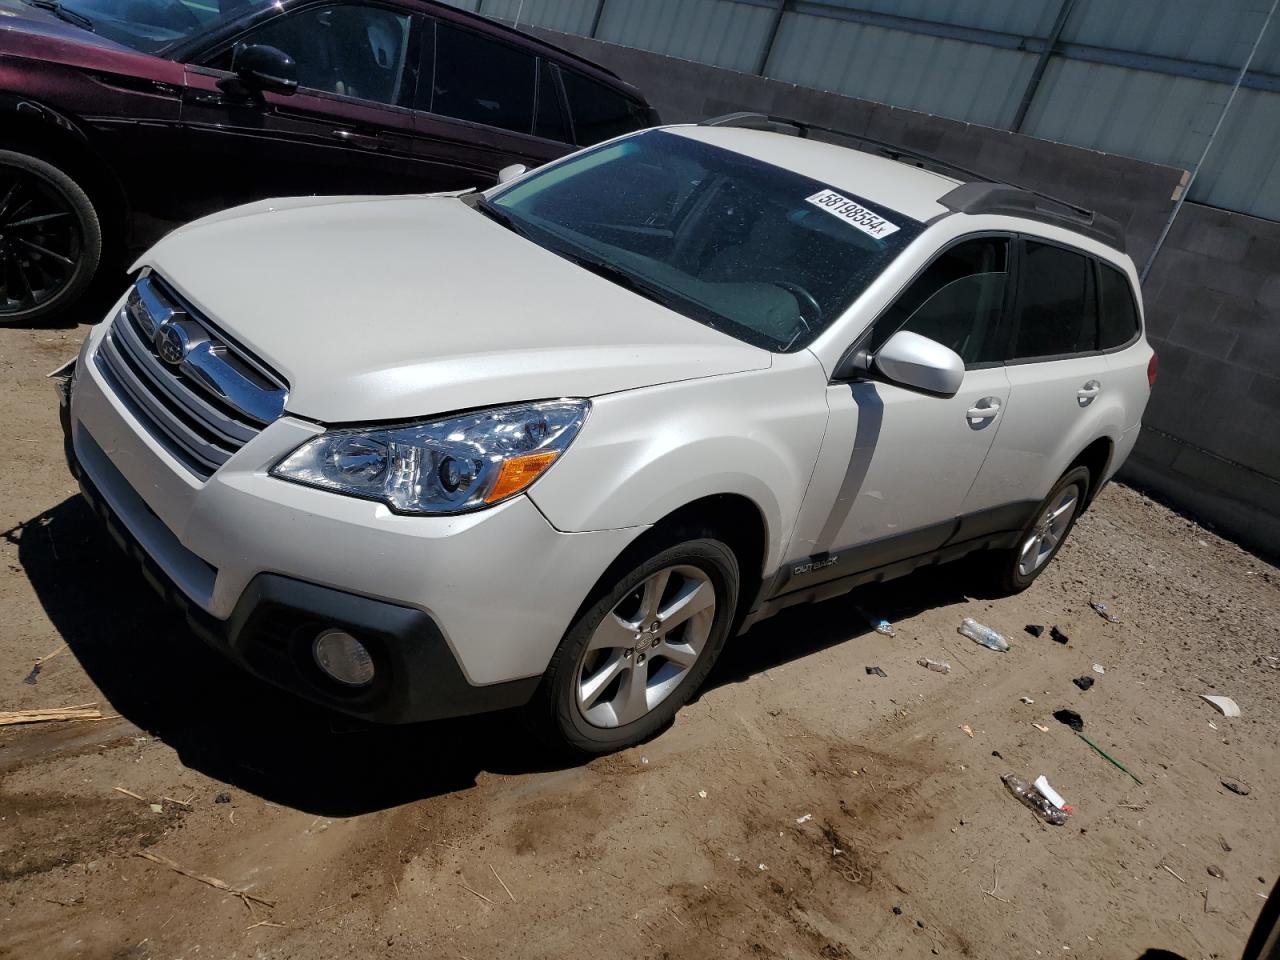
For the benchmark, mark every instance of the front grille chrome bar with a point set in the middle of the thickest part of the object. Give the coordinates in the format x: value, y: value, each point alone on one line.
x: 199, y: 394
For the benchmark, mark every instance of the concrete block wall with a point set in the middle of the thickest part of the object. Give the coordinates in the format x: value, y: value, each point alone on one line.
x: 1211, y: 444
x: 1211, y: 438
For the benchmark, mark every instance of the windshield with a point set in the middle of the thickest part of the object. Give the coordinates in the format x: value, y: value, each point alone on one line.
x: 152, y: 25
x: 763, y: 254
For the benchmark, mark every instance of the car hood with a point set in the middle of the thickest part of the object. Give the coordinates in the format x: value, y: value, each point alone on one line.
x: 29, y: 31
x: 399, y: 307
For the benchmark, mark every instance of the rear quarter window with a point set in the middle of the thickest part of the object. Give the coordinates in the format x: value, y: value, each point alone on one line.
x: 600, y: 113
x: 1119, y: 320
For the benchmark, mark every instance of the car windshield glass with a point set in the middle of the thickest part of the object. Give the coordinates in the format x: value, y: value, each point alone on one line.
x: 761, y: 253
x: 152, y: 25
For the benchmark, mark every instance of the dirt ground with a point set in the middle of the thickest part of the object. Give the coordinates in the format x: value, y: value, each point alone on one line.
x: 800, y: 808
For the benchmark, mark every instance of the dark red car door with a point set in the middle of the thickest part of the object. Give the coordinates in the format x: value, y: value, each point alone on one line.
x: 347, y: 130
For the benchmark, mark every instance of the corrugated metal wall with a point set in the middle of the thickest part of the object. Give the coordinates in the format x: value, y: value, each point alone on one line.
x: 1144, y: 78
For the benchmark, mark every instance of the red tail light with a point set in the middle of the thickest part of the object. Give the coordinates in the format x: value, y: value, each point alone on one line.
x: 1153, y: 368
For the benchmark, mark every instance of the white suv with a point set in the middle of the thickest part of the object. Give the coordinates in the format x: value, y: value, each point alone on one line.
x: 551, y: 444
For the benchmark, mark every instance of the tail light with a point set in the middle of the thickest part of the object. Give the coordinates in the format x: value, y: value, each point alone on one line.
x: 1153, y: 368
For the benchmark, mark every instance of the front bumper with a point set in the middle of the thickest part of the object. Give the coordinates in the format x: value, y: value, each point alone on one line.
x: 462, y: 613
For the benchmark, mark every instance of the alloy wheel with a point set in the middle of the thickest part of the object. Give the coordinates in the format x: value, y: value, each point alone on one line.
x: 40, y: 241
x: 645, y: 646
x: 1048, y: 532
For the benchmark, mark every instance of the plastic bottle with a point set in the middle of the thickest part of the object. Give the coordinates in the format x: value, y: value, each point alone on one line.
x: 885, y: 627
x: 978, y: 633
x: 937, y: 666
x: 1034, y: 799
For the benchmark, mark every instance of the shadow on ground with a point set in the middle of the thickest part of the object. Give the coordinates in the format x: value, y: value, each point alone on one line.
x: 236, y: 729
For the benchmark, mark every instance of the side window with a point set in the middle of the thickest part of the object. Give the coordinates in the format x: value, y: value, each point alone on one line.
x: 549, y: 120
x: 482, y: 80
x: 353, y: 51
x: 598, y: 112
x: 1119, y: 323
x: 1058, y: 313
x: 958, y: 301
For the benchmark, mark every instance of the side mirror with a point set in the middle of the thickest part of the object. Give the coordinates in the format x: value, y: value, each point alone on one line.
x: 918, y: 363
x: 511, y: 172
x: 260, y: 68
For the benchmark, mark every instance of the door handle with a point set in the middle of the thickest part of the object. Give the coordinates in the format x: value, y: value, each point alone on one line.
x: 364, y: 141
x: 1086, y: 394
x: 985, y: 409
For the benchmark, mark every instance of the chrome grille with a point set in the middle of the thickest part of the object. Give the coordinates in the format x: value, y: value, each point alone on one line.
x: 199, y: 394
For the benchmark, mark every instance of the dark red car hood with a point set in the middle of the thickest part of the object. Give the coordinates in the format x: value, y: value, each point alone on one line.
x: 24, y: 27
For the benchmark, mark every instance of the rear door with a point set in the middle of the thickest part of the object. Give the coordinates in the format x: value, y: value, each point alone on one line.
x: 347, y: 130
x: 484, y: 103
x: 897, y: 465
x: 1058, y: 379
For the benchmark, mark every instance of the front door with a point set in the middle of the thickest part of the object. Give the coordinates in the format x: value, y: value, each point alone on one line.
x: 347, y: 130
x: 897, y: 466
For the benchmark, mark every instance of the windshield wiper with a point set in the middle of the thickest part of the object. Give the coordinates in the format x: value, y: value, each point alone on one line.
x: 619, y: 276
x: 62, y: 13
x: 599, y: 267
x: 496, y: 215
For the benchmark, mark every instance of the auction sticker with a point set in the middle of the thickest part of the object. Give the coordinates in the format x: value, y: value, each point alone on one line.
x: 853, y: 213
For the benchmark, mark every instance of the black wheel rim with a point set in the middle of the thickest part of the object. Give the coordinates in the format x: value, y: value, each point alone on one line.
x: 40, y: 241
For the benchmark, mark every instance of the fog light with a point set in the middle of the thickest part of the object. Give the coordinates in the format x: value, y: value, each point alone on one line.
x: 343, y: 657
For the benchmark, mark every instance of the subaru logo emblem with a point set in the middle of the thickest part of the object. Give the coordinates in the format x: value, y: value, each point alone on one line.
x: 171, y: 343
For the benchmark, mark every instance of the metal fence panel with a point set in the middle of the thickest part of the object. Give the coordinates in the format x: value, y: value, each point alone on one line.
x: 1220, y: 33
x: 1150, y: 116
x: 567, y: 16
x: 1027, y: 17
x: 951, y: 78
x: 1242, y: 171
x: 719, y: 32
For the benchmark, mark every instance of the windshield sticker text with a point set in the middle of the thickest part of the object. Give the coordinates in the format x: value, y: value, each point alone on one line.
x: 854, y: 213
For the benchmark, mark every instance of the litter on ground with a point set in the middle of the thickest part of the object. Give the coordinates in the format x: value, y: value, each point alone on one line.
x: 1225, y: 705
x: 1104, y: 611
x: 1034, y: 800
x: 983, y: 635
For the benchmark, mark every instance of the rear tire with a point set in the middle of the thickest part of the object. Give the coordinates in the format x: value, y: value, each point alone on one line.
x: 50, y: 240
x: 641, y: 647
x: 1013, y: 570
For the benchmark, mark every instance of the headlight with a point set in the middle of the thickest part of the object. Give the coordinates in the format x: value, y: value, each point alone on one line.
x: 443, y: 466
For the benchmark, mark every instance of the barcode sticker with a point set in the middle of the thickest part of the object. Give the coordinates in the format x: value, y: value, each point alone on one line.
x: 853, y: 213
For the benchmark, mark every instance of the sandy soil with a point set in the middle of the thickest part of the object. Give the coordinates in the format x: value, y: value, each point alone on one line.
x: 800, y: 808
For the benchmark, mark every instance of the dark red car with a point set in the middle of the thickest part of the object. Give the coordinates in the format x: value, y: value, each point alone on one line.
x: 122, y: 118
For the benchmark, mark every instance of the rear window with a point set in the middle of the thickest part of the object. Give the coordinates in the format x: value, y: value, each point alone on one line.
x: 600, y: 113
x: 1119, y: 323
x: 1058, y: 313
x: 483, y: 81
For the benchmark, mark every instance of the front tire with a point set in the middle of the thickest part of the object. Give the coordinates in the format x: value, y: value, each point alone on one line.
x: 641, y: 648
x: 50, y: 239
x: 1040, y: 540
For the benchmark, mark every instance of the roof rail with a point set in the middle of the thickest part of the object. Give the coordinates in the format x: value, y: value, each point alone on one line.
x: 996, y: 196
